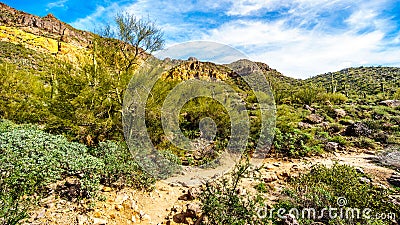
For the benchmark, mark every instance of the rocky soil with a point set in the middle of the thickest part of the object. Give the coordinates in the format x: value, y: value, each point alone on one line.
x: 175, y: 204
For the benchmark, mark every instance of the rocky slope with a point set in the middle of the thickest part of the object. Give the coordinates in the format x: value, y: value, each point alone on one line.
x: 47, y: 26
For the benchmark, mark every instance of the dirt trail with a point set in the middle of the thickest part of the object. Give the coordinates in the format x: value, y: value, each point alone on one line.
x: 161, y: 206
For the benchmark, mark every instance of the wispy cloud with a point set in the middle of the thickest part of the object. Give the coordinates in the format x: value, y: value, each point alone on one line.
x: 57, y: 4
x: 98, y: 19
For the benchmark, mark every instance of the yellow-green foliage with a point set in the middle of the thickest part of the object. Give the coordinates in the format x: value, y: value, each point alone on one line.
x: 397, y: 94
x: 39, y: 43
x: 336, y: 98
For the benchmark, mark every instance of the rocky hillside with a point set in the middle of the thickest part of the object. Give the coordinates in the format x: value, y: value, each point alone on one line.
x: 361, y: 80
x: 47, y: 26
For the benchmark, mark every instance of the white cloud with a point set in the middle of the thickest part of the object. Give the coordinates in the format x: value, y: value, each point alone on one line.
x: 57, y: 4
x: 301, y: 53
x: 309, y: 38
x: 246, y: 7
x: 98, y: 19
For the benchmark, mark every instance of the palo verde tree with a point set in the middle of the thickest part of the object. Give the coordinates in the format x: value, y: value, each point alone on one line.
x: 138, y: 36
x: 92, y: 96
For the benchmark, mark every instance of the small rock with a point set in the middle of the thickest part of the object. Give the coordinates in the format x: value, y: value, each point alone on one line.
x: 339, y: 113
x: 134, y: 205
x: 336, y: 154
x: 82, y: 219
x: 176, y: 208
x: 97, y: 214
x: 146, y: 217
x: 364, y: 180
x: 270, y: 178
x: 303, y: 125
x: 119, y: 207
x: 107, y: 189
x: 394, y: 180
x: 358, y: 129
x: 325, y: 125
x: 360, y: 170
x: 120, y: 199
x: 368, y: 152
x: 194, y: 192
x: 41, y: 214
x: 269, y: 167
x: 314, y: 118
x: 391, y: 103
x: 285, y: 174
x: 241, y: 191
x: 194, y: 208
x: 50, y: 205
x: 309, y: 108
x: 98, y: 221
x: 331, y: 146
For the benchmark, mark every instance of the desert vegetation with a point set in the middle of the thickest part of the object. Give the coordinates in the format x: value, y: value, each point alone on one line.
x: 61, y: 128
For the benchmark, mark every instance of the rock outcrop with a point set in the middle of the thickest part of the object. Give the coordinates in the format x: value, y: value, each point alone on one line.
x: 358, y: 129
x: 48, y: 26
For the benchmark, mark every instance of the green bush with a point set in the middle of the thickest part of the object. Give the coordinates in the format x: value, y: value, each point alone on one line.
x: 339, y: 139
x: 222, y: 205
x: 120, y: 167
x: 31, y: 159
x: 397, y: 94
x: 323, y: 187
x: 295, y: 143
x: 335, y: 98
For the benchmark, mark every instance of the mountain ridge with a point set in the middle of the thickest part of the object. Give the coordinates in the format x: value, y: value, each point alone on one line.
x: 48, y: 26
x: 58, y: 34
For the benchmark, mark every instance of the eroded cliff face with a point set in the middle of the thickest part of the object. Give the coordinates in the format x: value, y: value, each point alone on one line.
x: 47, y: 26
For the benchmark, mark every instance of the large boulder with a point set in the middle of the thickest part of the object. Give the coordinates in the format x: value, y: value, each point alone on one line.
x: 358, y: 129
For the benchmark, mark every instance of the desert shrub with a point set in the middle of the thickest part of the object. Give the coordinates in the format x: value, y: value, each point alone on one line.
x: 120, y: 167
x: 365, y: 142
x: 222, y: 204
x: 294, y: 143
x: 335, y: 98
x: 397, y: 94
x: 339, y: 139
x: 337, y: 187
x: 288, y: 116
x: 308, y: 94
x: 30, y: 159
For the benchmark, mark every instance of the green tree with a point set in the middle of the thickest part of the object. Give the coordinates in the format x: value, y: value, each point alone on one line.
x: 138, y: 36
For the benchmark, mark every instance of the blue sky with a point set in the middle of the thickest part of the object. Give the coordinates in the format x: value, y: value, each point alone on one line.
x: 300, y: 38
